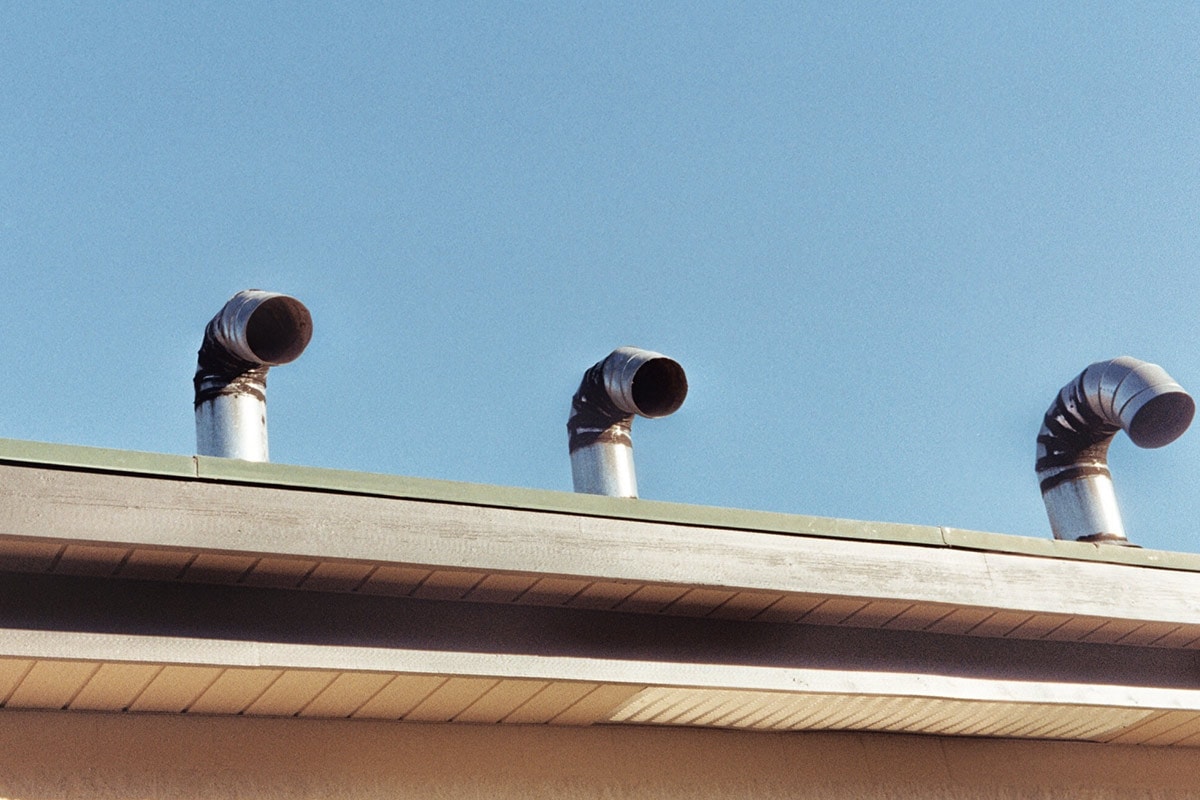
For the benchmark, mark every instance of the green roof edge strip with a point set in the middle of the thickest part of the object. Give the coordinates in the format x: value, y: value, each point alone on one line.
x: 99, y: 459
x: 209, y: 468
x: 1079, y: 551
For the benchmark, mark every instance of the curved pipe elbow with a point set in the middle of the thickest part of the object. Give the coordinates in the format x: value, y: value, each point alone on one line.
x: 253, y: 331
x: 1072, y: 453
x: 628, y: 382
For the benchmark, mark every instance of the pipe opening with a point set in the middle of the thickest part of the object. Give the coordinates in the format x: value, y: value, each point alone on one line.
x: 1162, y: 420
x: 659, y: 387
x: 279, y: 330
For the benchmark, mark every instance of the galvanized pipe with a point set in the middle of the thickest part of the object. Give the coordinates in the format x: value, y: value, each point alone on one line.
x: 1072, y: 445
x: 253, y: 332
x: 628, y: 382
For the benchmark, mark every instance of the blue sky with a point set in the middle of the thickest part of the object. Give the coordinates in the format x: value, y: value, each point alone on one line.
x: 879, y: 239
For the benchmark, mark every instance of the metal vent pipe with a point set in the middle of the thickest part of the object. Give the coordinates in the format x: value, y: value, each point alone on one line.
x: 628, y: 382
x: 1072, y: 445
x: 253, y: 332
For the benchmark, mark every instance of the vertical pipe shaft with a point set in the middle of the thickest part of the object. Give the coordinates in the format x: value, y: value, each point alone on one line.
x: 233, y: 426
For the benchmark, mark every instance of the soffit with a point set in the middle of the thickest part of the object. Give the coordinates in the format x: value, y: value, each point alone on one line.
x: 163, y: 677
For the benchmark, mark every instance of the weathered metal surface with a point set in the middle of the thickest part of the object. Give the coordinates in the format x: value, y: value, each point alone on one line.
x: 628, y: 382
x: 604, y: 467
x: 233, y: 426
x: 252, y: 332
x: 1072, y: 445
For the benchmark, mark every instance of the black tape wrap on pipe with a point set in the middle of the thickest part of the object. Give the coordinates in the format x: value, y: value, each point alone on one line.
x: 1075, y: 436
x: 219, y: 371
x: 594, y: 416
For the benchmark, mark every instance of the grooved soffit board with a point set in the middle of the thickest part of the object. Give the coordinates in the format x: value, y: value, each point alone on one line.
x: 44, y: 670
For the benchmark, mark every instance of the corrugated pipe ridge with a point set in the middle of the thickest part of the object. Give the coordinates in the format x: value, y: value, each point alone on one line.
x: 1072, y: 445
x: 628, y: 382
x: 254, y: 331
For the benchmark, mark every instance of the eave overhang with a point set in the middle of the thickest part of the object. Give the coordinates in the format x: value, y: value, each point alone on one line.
x: 372, y: 596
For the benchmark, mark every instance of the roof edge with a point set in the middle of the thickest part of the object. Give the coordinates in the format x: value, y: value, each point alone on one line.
x: 207, y: 468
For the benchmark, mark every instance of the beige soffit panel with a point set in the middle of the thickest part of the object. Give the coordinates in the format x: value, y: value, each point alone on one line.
x: 933, y: 715
x: 88, y: 671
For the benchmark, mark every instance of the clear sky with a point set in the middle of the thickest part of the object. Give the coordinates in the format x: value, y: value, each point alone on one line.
x: 879, y: 237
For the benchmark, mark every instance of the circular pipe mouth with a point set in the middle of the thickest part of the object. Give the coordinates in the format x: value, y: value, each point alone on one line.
x: 1162, y: 419
x: 659, y: 387
x: 278, y: 330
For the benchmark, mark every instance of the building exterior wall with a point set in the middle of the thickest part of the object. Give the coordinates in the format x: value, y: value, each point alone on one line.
x: 51, y: 755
